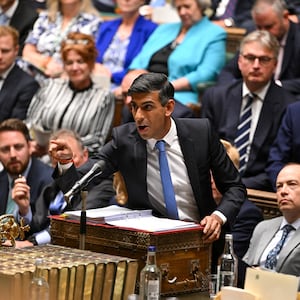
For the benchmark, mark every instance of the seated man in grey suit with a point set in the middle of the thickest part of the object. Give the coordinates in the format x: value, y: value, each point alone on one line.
x: 225, y: 106
x: 16, y: 87
x: 275, y: 243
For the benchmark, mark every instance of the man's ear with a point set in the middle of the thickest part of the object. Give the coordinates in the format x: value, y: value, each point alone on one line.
x: 170, y: 107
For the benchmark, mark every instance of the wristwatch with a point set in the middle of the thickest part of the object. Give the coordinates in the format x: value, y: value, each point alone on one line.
x: 228, y: 22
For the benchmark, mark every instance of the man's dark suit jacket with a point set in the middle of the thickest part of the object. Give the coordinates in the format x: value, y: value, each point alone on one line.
x: 23, y: 20
x: 38, y: 177
x: 286, y: 147
x: 290, y: 71
x: 222, y: 106
x: 242, y: 13
x: 100, y: 192
x: 202, y: 152
x: 16, y: 94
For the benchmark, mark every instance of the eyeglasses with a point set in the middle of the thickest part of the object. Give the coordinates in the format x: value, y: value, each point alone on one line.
x: 76, y: 42
x: 263, y: 60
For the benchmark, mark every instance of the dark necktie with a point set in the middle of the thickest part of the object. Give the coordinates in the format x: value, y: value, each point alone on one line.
x: 229, y: 11
x: 167, y: 185
x: 242, y: 140
x: 272, y: 256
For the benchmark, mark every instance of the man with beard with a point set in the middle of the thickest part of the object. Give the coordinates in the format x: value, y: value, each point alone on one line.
x: 15, y: 156
x: 257, y: 98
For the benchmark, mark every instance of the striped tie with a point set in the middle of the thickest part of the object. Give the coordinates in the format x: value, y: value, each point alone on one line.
x: 242, y: 140
x: 229, y: 11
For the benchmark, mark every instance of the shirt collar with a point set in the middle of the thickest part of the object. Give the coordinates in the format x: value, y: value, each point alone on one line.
x: 295, y: 224
x: 260, y: 93
x: 5, y: 74
x: 10, y: 12
x: 168, y: 138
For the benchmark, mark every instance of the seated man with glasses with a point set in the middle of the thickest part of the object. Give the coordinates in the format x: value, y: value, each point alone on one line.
x: 248, y: 112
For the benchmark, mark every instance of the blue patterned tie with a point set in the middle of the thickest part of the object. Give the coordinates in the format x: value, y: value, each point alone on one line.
x: 272, y: 256
x: 242, y: 140
x: 167, y: 185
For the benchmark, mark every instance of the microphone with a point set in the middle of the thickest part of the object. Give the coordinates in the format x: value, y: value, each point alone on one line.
x: 94, y: 171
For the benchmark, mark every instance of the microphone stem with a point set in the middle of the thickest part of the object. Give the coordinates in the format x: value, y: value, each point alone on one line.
x: 83, y: 221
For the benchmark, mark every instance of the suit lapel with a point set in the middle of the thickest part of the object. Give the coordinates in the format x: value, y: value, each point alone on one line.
x: 264, y: 123
x: 268, y: 234
x: 4, y: 192
x: 288, y: 249
x: 288, y: 49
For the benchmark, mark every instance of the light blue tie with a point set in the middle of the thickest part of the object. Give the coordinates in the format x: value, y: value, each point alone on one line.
x: 272, y: 256
x: 4, y: 19
x: 167, y: 185
x: 242, y: 140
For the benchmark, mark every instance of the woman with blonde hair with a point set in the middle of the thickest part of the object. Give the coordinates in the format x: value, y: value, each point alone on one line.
x: 42, y: 46
x: 77, y: 103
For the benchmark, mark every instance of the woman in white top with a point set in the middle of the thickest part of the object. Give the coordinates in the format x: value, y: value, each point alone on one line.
x: 42, y: 46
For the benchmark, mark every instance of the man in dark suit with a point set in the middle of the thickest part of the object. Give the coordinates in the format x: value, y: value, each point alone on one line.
x: 223, y: 105
x: 193, y: 150
x: 16, y: 87
x: 15, y: 156
x: 239, y: 16
x: 273, y: 16
x: 286, y: 147
x: 21, y: 15
x: 268, y: 233
x: 51, y: 199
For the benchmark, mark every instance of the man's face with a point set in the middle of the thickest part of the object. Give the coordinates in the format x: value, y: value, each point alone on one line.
x: 257, y: 65
x: 14, y: 152
x: 268, y: 20
x: 151, y: 118
x: 6, y: 4
x: 288, y: 191
x: 8, y: 52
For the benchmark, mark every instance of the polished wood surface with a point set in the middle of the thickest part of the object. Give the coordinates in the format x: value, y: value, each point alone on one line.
x: 192, y: 296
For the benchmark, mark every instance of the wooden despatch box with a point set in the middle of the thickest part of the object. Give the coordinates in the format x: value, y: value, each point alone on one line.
x: 181, y: 255
x: 72, y: 274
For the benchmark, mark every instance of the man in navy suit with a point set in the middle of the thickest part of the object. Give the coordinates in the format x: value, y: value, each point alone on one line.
x: 286, y: 147
x: 15, y: 156
x: 21, y: 15
x: 16, y: 87
x: 273, y: 16
x: 222, y: 105
x: 193, y: 151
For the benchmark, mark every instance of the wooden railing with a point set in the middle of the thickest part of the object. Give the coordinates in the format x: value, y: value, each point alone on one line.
x: 266, y: 201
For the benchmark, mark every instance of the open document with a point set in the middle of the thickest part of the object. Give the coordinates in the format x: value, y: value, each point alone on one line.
x: 131, y: 219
